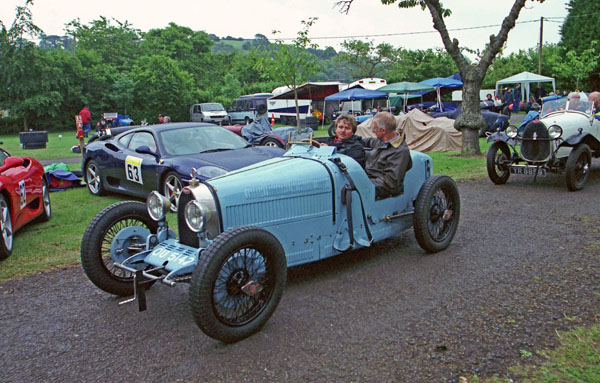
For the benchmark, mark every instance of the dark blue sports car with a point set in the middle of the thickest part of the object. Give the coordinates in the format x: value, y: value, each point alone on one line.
x: 160, y: 157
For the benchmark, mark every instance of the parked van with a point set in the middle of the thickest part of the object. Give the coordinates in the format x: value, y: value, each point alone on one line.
x: 209, y: 112
x: 245, y: 108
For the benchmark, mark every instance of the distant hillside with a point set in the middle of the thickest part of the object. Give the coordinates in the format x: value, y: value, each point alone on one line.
x: 240, y: 45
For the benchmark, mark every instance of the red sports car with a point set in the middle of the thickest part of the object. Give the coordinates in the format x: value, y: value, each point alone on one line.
x: 24, y: 196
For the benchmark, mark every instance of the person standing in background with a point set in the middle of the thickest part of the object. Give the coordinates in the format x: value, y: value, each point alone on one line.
x: 86, y: 119
x: 517, y: 98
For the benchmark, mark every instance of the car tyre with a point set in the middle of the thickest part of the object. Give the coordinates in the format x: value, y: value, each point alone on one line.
x: 246, y: 120
x: 578, y: 167
x: 172, y: 187
x: 98, y: 238
x: 271, y: 142
x: 497, y: 156
x: 93, y: 178
x: 6, y: 230
x: 237, y: 284
x: 46, y: 206
x: 437, y: 212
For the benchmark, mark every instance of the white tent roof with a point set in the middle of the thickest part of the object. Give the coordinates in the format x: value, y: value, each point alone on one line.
x: 525, y: 78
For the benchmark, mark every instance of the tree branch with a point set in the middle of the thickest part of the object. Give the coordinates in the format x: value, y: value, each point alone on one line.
x: 451, y: 46
x: 344, y: 5
x: 496, y: 42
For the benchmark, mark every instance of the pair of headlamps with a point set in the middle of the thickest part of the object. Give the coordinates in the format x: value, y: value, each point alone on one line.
x: 196, y: 215
x: 554, y: 131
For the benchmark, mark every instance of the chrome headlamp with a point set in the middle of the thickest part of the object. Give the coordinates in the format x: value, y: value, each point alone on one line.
x: 512, y: 131
x: 157, y: 205
x: 555, y: 131
x: 196, y: 216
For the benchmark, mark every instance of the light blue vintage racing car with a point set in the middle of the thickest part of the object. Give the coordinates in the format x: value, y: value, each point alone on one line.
x: 238, y: 233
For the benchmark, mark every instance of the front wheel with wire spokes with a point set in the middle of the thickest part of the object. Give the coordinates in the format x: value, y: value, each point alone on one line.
x: 237, y: 283
x: 437, y: 210
x: 117, y: 232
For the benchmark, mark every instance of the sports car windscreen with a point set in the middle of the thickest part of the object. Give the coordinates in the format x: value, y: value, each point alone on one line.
x: 200, y: 139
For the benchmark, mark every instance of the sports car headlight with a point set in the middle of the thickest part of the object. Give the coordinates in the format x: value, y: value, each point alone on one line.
x: 157, y: 205
x: 196, y: 216
x: 511, y: 131
x: 210, y: 172
x: 554, y: 131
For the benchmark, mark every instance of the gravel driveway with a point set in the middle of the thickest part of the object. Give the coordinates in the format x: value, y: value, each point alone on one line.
x: 524, y: 264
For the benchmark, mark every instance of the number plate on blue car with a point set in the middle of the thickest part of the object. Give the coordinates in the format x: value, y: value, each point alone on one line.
x: 528, y: 171
x: 172, y: 255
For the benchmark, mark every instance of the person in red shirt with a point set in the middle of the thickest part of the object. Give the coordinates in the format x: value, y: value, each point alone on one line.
x: 86, y: 119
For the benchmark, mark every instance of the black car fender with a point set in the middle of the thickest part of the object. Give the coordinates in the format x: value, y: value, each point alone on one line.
x: 579, y: 138
x: 501, y: 136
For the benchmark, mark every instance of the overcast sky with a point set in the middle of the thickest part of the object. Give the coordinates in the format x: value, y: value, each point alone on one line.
x: 367, y: 19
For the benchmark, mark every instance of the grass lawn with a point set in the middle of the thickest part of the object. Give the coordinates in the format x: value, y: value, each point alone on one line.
x: 55, y: 148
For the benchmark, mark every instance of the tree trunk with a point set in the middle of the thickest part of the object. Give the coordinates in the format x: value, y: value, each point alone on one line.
x: 297, y: 109
x: 25, y: 127
x: 470, y: 121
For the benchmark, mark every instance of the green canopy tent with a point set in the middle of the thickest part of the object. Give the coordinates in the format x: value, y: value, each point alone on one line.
x: 404, y: 88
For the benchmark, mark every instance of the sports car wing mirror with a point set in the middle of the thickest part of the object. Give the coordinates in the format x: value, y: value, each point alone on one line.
x: 11, y: 162
x: 146, y: 150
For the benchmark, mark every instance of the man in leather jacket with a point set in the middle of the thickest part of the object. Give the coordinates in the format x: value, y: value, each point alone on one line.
x: 390, y: 158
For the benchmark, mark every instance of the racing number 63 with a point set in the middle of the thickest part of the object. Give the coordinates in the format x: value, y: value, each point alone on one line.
x: 133, y: 169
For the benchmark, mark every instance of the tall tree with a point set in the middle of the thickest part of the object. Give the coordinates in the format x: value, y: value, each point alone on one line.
x: 116, y: 42
x: 416, y: 65
x: 470, y: 120
x: 576, y: 69
x: 292, y: 64
x: 30, y: 84
x: 161, y: 86
x: 580, y: 29
x: 364, y: 59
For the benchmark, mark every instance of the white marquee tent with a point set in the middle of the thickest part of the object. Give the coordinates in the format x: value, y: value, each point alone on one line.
x: 525, y: 78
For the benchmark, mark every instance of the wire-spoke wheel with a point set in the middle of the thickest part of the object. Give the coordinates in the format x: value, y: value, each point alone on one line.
x: 116, y: 233
x: 238, y: 283
x: 437, y: 211
x: 172, y: 189
x: 6, y: 229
